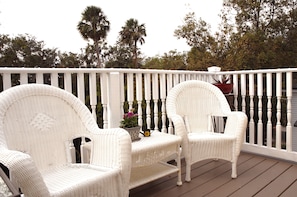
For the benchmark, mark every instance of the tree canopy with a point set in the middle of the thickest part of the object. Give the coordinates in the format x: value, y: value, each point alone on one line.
x: 25, y: 51
x: 94, y: 25
x: 132, y: 34
x: 252, y: 35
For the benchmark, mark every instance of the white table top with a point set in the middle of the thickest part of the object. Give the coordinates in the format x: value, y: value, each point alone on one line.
x: 158, y: 146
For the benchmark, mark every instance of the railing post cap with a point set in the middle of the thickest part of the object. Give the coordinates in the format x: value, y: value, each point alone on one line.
x: 214, y: 69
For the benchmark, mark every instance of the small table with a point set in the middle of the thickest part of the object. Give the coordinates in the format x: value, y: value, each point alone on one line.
x: 149, y: 158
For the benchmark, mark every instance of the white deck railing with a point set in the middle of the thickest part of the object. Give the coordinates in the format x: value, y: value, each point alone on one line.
x: 266, y: 96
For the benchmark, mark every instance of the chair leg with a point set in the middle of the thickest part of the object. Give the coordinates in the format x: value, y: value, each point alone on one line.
x: 188, y: 172
x: 234, y: 170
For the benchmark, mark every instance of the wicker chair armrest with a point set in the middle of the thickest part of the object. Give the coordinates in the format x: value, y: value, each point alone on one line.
x: 179, y: 125
x: 23, y: 168
x: 236, y: 125
x: 112, y: 148
x: 180, y: 130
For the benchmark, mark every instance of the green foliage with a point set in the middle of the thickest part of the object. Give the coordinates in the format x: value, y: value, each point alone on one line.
x: 222, y: 79
x: 263, y: 35
x: 129, y: 120
x: 170, y: 60
x: 25, y: 51
x: 70, y: 60
x: 118, y: 56
x: 94, y: 25
x: 132, y: 34
x: 252, y: 35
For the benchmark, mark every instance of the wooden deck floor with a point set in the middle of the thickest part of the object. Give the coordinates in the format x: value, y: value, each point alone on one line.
x: 257, y: 176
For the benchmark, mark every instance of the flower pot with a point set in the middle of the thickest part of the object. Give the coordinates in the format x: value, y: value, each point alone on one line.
x: 226, y: 88
x: 134, y: 133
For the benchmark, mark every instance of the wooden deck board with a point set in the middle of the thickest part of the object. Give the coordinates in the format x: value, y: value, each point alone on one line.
x: 280, y: 183
x: 261, y: 179
x: 224, y: 185
x: 257, y: 176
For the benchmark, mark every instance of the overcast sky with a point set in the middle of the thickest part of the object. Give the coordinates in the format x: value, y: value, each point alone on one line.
x: 55, y: 21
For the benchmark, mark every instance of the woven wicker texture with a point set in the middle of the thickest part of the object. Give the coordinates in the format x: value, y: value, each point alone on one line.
x: 37, y: 126
x: 191, y: 105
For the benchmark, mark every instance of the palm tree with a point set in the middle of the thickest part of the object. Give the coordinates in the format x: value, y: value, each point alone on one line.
x: 131, y: 34
x: 94, y: 25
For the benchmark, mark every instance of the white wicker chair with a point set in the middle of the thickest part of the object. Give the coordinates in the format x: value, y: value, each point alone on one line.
x: 191, y: 105
x: 37, y: 125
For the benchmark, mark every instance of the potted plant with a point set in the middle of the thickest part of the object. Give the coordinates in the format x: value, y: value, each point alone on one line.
x: 130, y: 124
x: 223, y: 85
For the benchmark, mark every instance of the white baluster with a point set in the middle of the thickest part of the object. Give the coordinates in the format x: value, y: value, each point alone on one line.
x: 67, y: 82
x: 289, y: 111
x: 71, y: 157
x: 243, y: 94
x: 54, y: 79
x: 169, y: 86
x: 269, y: 106
x: 278, y: 110
x: 182, y: 77
x: 251, y: 121
x: 243, y: 91
x: 39, y: 78
x: 235, y: 91
x: 175, y: 79
x: 23, y: 78
x: 113, y: 103
x: 147, y: 88
x: 93, y: 93
x: 163, y: 104
x: 139, y: 97
x: 156, y: 99
x: 260, y: 113
x: 122, y: 93
x: 81, y: 87
x: 104, y: 94
x: 130, y: 90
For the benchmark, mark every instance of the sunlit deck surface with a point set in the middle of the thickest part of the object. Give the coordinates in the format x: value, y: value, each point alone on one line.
x: 257, y: 176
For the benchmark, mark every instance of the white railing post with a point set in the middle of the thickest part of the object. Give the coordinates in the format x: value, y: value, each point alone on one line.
x: 114, y: 104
